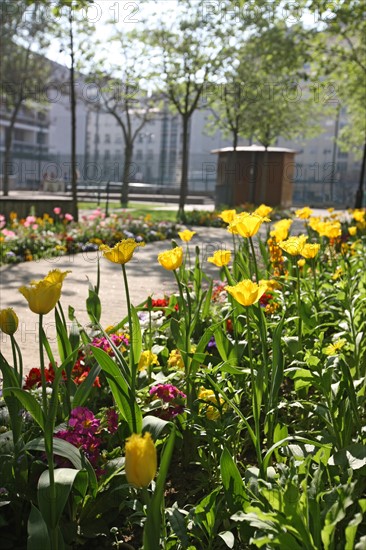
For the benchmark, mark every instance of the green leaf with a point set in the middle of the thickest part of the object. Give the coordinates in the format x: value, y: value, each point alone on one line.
x: 65, y: 449
x: 136, y: 337
x: 353, y: 456
x: 155, y: 426
x: 29, y: 403
x: 93, y: 306
x: 232, y: 482
x: 228, y: 538
x: 63, y: 481
x: 84, y: 389
x: 63, y: 342
x: 37, y: 531
x: 10, y: 379
x: 125, y: 401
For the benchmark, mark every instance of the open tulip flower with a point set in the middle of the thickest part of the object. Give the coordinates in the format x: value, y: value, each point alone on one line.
x: 310, y: 250
x: 246, y: 225
x: 220, y: 258
x: 171, y: 259
x: 304, y: 213
x: 263, y: 210
x: 186, y: 235
x: 227, y: 215
x: 140, y: 460
x: 122, y: 252
x: 293, y: 245
x: 246, y: 292
x: 42, y: 296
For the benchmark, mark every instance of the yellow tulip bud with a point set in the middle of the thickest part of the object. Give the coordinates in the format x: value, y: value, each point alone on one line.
x: 42, y: 296
x: 186, y: 235
x: 220, y: 258
x: 171, y: 259
x: 140, y: 460
x: 301, y: 262
x: 246, y: 292
x: 352, y: 230
x: 304, y: 213
x: 8, y: 321
x: 122, y: 252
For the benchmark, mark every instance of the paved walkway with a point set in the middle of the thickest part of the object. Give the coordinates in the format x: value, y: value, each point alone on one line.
x: 145, y: 275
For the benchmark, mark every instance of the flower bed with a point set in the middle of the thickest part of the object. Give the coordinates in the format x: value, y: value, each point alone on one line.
x: 228, y: 415
x: 33, y: 238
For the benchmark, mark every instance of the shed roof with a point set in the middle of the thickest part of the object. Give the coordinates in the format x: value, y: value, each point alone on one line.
x: 255, y: 149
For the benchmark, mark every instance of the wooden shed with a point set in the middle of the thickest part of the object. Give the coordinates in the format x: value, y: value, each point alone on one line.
x: 254, y: 175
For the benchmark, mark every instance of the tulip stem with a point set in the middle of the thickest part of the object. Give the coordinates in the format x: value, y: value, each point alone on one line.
x: 15, y: 360
x: 41, y: 362
x: 299, y: 327
x: 255, y: 406
x: 254, y: 259
x: 20, y: 359
x: 132, y: 361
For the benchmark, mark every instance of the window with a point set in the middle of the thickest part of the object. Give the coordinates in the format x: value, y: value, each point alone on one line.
x: 107, y: 154
x: 107, y: 138
x: 138, y: 154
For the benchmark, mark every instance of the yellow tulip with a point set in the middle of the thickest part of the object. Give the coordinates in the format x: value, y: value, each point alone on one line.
x: 304, y: 213
x: 186, y: 235
x: 43, y: 295
x: 171, y: 259
x: 301, y: 262
x: 246, y: 225
x: 352, y: 230
x: 122, y: 252
x: 280, y: 229
x: 8, y: 321
x: 246, y: 292
x: 227, y: 215
x: 293, y: 245
x: 220, y: 258
x: 359, y: 215
x: 140, y: 460
x: 310, y: 250
x: 263, y: 210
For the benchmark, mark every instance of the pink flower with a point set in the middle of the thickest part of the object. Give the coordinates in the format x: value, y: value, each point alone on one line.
x: 35, y: 226
x: 57, y: 210
x: 69, y: 217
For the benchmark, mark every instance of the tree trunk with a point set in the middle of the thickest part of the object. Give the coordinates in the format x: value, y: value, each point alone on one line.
x: 184, y: 176
x: 74, y: 175
x: 8, y: 142
x: 126, y: 174
x: 360, y: 190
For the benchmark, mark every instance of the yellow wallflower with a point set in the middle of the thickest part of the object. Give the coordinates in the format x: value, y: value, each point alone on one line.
x: 333, y: 349
x: 246, y: 225
x: 43, y: 295
x: 171, y: 259
x: 122, y: 252
x: 352, y: 230
x: 186, y: 235
x: 280, y: 229
x: 147, y: 359
x: 8, y: 321
x: 293, y: 245
x: 310, y: 250
x: 263, y: 210
x: 338, y: 273
x: 304, y: 213
x: 212, y: 412
x: 140, y: 460
x: 227, y: 215
x: 246, y: 292
x: 220, y: 258
x: 175, y: 359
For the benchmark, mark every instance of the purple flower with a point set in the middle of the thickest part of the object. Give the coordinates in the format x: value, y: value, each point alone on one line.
x: 212, y: 343
x: 112, y: 421
x: 166, y: 392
